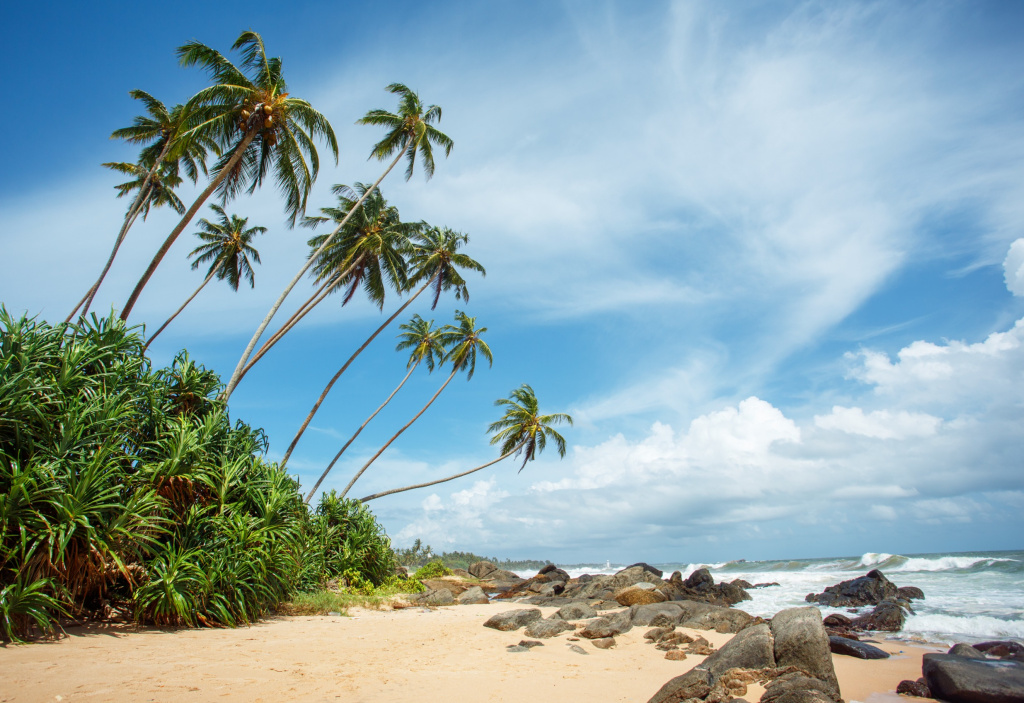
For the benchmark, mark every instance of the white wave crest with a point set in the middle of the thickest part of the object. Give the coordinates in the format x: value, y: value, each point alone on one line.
x: 874, y: 558
x: 978, y: 626
x: 945, y: 563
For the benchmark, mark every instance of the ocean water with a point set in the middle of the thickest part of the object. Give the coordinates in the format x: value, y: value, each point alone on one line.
x: 969, y: 596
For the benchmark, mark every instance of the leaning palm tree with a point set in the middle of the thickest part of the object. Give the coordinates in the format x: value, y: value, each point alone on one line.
x: 227, y: 247
x: 261, y: 131
x: 463, y: 344
x: 436, y: 259
x: 169, y: 143
x: 522, y: 430
x: 425, y: 342
x: 412, y: 135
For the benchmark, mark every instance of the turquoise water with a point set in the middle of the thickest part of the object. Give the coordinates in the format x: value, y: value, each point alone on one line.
x: 969, y: 596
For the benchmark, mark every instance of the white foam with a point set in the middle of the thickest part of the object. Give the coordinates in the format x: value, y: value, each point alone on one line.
x: 874, y: 558
x: 945, y: 563
x: 978, y: 626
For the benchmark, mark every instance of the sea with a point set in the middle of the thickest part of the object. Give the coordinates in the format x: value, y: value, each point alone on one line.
x: 969, y: 596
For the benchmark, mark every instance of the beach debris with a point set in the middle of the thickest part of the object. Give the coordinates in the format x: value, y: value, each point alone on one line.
x: 472, y: 596
x: 955, y: 678
x: 578, y: 649
x: 513, y: 619
x: 853, y: 648
x: 549, y: 627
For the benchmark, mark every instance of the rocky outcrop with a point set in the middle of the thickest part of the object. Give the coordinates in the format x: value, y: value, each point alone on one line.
x: 963, y: 680
x: 854, y: 648
x: 604, y: 587
x: 701, y: 586
x: 699, y: 616
x: 870, y: 589
x: 512, y: 619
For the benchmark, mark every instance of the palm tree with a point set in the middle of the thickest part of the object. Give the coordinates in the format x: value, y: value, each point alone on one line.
x: 425, y: 342
x: 435, y: 257
x: 463, y: 344
x: 369, y: 252
x: 521, y: 430
x: 227, y: 246
x: 411, y: 134
x: 260, y: 128
x: 156, y: 172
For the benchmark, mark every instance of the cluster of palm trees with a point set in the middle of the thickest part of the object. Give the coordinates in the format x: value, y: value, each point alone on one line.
x: 248, y: 124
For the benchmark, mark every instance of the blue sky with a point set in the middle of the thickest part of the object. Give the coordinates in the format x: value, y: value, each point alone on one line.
x: 769, y: 255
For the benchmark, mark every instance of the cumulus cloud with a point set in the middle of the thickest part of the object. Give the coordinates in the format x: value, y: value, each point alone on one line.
x: 1013, y: 267
x: 880, y: 424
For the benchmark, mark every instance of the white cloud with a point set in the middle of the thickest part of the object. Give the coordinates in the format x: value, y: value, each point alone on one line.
x: 1013, y: 266
x: 880, y: 424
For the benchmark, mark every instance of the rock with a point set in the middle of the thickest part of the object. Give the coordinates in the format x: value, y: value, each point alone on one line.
x: 605, y: 586
x: 853, y: 648
x: 554, y: 573
x: 436, y: 597
x: 575, y: 611
x: 801, y: 641
x: 643, y: 615
x: 966, y: 651
x: 886, y: 617
x: 472, y: 596
x: 870, y: 589
x: 699, y: 580
x: 530, y: 644
x: 702, y: 616
x: 461, y: 573
x: 741, y: 583
x: 578, y: 649
x: 657, y: 633
x: 766, y: 585
x: 798, y: 688
x: 1001, y: 649
x: 836, y: 620
x: 675, y: 655
x: 604, y: 642
x: 909, y: 593
x: 482, y: 569
x: 695, y: 683
x: 648, y: 568
x: 750, y: 649
x: 486, y: 571
x: 402, y: 572
x: 551, y: 589
x: 643, y: 593
x: 547, y: 628
x: 601, y: 627
x: 961, y: 680
x: 914, y: 688
x: 512, y: 619
x: 676, y: 638
x: 516, y: 648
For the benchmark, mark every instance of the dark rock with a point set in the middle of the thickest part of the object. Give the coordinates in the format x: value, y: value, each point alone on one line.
x: 436, y: 597
x: 486, y: 571
x: 702, y: 616
x: 766, y: 585
x: 605, y: 586
x: 584, y: 578
x: 1001, y: 648
x: 643, y: 615
x: 966, y: 651
x: 530, y: 644
x: 482, y: 569
x: 512, y: 619
x: 699, y: 580
x: 655, y: 634
x: 836, y: 620
x: 604, y: 643
x: 551, y: 589
x: 961, y: 680
x: 870, y: 589
x: 798, y: 688
x: 547, y: 628
x: 909, y: 593
x: 575, y: 611
x: 602, y: 627
x: 886, y: 617
x: 402, y: 572
x: 648, y: 568
x: 800, y: 641
x: 853, y: 648
x: 695, y: 683
x: 750, y: 649
x: 914, y: 688
x: 472, y: 596
x: 742, y: 583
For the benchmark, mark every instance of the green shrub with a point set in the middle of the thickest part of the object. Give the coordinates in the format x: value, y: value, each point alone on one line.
x: 432, y: 570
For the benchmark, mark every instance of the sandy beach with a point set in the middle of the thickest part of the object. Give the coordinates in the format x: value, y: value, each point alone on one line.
x: 438, y: 655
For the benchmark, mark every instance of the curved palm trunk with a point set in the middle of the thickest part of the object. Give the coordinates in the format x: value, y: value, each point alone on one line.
x: 237, y: 375
x: 186, y: 218
x: 404, y: 428
x: 353, y: 438
x: 440, y: 480
x: 334, y: 379
x: 170, y: 319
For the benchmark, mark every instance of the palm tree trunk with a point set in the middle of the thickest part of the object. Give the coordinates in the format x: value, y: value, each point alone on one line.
x: 440, y: 480
x: 297, y: 316
x: 330, y: 384
x: 237, y: 375
x: 186, y: 218
x: 209, y: 276
x: 353, y: 438
x: 405, y: 427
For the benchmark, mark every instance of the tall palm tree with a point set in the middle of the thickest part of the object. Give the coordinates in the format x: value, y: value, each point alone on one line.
x: 463, y: 344
x: 163, y: 132
x: 227, y: 247
x: 412, y: 135
x: 436, y: 259
x: 521, y: 430
x: 369, y: 252
x: 425, y: 342
x: 261, y: 131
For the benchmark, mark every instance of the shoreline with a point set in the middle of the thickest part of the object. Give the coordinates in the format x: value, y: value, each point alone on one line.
x: 441, y: 655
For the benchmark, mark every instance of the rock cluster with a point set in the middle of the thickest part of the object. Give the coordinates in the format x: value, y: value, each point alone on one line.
x: 989, y: 672
x: 790, y: 654
x: 891, y: 604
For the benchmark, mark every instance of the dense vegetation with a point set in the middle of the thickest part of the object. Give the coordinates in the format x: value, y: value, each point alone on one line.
x: 419, y: 555
x: 127, y: 490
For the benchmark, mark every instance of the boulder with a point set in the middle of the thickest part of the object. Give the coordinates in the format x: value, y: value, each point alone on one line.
x: 766, y: 585
x: 836, y: 620
x: 454, y: 585
x: 554, y: 573
x: 752, y: 648
x: 870, y: 589
x: 675, y: 655
x: 655, y: 634
x: 604, y: 643
x: 887, y: 616
x: 798, y: 688
x: 575, y: 611
x: 914, y: 688
x: 552, y: 589
x: 509, y: 620
x: 967, y: 651
x: 961, y: 680
x: 643, y: 615
x: 436, y: 597
x: 482, y: 569
x: 643, y: 593
x: 700, y: 586
x: 801, y: 641
x: 702, y: 616
x: 546, y: 628
x: 599, y: 628
x: 648, y: 568
x: 1002, y: 649
x: 909, y: 593
x: 486, y: 571
x: 530, y: 644
x: 472, y: 596
x: 605, y: 586
x: 578, y: 649
x: 699, y: 580
x: 853, y: 648
x: 695, y: 683
x: 742, y: 583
